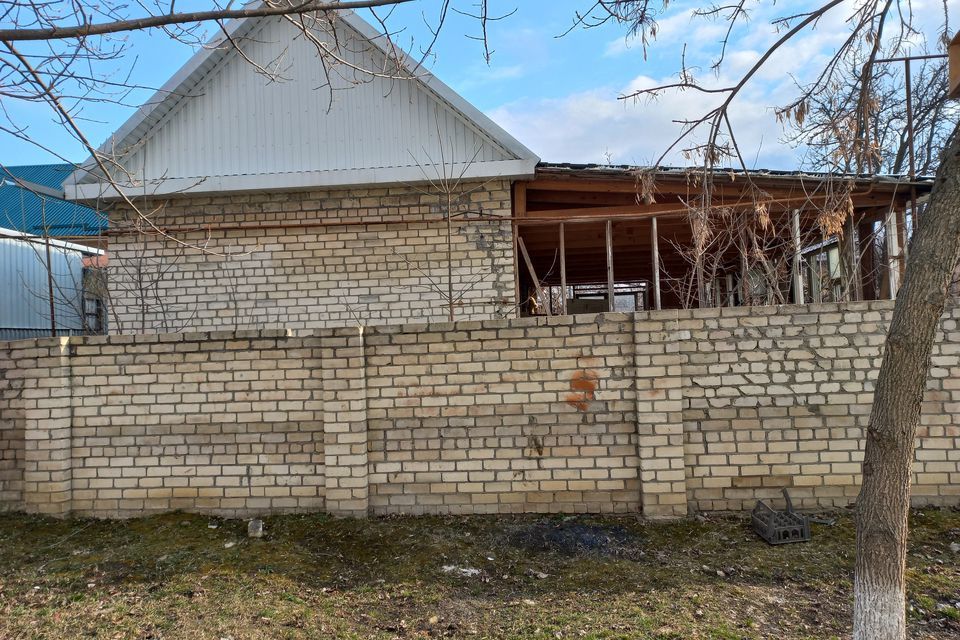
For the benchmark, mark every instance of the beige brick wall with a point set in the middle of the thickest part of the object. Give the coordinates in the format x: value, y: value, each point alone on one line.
x: 11, y: 429
x: 655, y: 412
x: 503, y: 416
x: 781, y: 397
x: 320, y: 259
x: 226, y: 423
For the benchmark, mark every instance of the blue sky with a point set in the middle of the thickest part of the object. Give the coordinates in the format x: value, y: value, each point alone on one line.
x: 556, y: 95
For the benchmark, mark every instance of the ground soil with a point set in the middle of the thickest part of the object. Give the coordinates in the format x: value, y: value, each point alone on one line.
x: 188, y: 576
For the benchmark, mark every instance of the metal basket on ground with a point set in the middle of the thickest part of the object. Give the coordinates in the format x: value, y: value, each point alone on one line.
x: 780, y: 527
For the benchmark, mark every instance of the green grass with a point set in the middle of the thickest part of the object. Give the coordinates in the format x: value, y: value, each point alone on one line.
x: 315, y: 577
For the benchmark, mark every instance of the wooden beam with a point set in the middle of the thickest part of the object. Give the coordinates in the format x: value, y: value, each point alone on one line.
x: 745, y: 296
x: 798, y: 293
x: 537, y: 198
x: 655, y: 253
x: 794, y: 193
x: 850, y: 256
x: 893, y: 253
x: 596, y: 215
x: 868, y: 266
x: 516, y: 271
x: 519, y: 199
x: 570, y: 216
x: 902, y: 237
x: 664, y: 188
x: 606, y: 211
x: 953, y: 65
x: 610, y: 288
x: 563, y: 272
x: 533, y: 274
x: 816, y: 279
x: 680, y: 183
x: 519, y: 209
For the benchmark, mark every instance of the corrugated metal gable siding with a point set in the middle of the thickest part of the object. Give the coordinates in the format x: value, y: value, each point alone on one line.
x: 23, y: 281
x: 238, y: 122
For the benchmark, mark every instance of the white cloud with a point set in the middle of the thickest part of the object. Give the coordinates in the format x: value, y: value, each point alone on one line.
x: 594, y: 126
x: 679, y: 26
x: 618, y: 47
x: 487, y: 76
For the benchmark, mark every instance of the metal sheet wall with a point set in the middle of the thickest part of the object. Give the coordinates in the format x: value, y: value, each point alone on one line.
x: 24, y: 298
x: 239, y: 122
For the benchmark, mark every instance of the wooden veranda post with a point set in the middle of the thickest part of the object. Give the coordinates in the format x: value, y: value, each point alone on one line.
x: 611, y: 302
x: 798, y: 293
x: 533, y: 275
x: 563, y: 272
x: 893, y: 251
x: 655, y: 252
x: 519, y: 211
x: 851, y: 259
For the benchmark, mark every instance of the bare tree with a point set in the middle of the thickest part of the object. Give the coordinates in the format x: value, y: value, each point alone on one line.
x: 824, y: 133
x: 877, y: 29
x: 66, y: 57
x: 47, y: 58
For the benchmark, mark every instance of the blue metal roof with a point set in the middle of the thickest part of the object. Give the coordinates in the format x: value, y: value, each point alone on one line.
x: 39, y: 213
x: 47, y: 175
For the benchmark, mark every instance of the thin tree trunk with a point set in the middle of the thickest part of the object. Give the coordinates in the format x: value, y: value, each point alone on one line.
x: 449, y: 256
x: 46, y: 240
x: 884, y: 501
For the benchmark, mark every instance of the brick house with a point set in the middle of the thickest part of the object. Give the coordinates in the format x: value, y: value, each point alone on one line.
x: 327, y: 206
x: 370, y: 208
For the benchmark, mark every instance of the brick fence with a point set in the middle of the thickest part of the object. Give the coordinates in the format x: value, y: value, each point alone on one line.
x: 656, y: 412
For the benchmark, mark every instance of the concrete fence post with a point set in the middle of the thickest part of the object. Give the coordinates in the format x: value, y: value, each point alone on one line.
x: 47, y: 410
x: 343, y: 366
x: 659, y: 415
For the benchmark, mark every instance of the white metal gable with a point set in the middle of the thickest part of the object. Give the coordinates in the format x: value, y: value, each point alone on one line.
x: 220, y: 125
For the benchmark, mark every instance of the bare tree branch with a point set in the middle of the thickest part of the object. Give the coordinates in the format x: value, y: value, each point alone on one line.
x: 150, y: 22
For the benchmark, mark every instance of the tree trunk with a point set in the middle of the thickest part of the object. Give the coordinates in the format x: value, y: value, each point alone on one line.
x: 884, y: 501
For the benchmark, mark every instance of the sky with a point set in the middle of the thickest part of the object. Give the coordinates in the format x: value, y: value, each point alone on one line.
x: 557, y: 94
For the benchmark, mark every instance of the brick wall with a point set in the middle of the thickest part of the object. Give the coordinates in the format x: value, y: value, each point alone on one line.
x: 519, y: 415
x: 655, y: 412
x: 225, y: 423
x: 318, y: 259
x: 777, y: 398
x: 11, y: 430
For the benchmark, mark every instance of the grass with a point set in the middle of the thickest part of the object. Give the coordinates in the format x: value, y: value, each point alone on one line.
x: 173, y: 576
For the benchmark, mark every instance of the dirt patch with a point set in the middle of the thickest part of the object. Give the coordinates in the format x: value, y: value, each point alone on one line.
x: 571, y: 537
